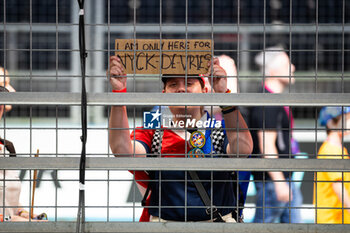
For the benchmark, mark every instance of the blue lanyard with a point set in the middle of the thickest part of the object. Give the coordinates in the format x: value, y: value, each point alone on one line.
x: 208, y: 148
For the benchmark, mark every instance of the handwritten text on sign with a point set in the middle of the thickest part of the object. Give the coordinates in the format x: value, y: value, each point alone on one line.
x: 143, y: 57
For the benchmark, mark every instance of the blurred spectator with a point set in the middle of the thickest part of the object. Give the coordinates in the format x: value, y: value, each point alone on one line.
x: 271, y: 130
x: 12, y: 189
x: 5, y: 82
x: 332, y: 189
x: 10, y: 186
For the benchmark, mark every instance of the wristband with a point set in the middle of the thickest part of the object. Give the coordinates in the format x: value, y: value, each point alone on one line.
x: 228, y: 109
x: 119, y: 91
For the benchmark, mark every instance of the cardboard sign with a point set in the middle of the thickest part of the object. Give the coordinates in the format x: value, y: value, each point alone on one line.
x: 143, y: 57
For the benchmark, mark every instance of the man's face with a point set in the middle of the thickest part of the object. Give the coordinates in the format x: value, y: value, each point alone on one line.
x: 179, y: 85
x: 283, y: 69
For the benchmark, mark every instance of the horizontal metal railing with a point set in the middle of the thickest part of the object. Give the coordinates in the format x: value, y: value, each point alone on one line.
x: 175, y: 164
x: 149, y: 99
x: 193, y: 28
x: 64, y: 227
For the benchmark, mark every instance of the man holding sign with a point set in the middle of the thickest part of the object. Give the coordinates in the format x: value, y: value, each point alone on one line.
x: 192, y: 133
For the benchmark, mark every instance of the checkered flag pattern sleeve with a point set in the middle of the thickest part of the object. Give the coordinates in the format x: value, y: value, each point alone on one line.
x: 156, y: 142
x: 218, y: 137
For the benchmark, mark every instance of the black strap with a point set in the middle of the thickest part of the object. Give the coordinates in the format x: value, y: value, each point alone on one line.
x: 149, y: 188
x: 205, y: 197
x: 9, y: 147
x: 144, y: 199
x: 81, y: 206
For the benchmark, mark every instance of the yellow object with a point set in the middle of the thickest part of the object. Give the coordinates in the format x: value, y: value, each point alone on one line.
x: 326, y: 197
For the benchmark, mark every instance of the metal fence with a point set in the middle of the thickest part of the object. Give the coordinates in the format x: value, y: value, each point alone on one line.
x: 39, y: 47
